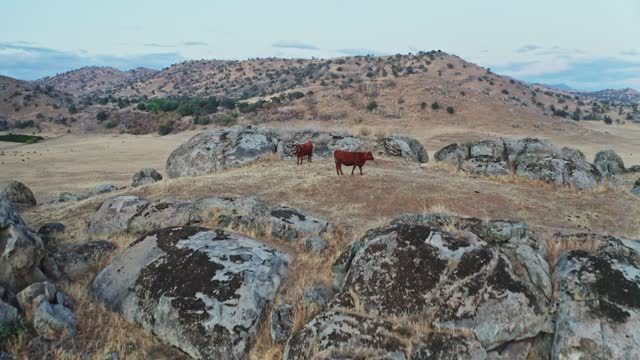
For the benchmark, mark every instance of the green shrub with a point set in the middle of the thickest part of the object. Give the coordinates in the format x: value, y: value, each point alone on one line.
x: 72, y: 109
x: 23, y: 124
x: 102, y: 116
x: 450, y: 109
x: 505, y: 91
x: 450, y: 65
x: 109, y: 125
x: 141, y: 106
x: 226, y: 119
x: 372, y: 105
x: 608, y: 120
x: 435, y: 106
x: 423, y: 105
x: 27, y: 139
x: 166, y: 128
x: 10, y: 329
x: 201, y: 120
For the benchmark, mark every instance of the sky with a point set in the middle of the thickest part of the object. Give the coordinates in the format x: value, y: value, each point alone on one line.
x: 588, y: 44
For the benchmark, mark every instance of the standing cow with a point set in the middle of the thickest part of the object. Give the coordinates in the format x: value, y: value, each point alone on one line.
x: 351, y: 159
x: 303, y: 150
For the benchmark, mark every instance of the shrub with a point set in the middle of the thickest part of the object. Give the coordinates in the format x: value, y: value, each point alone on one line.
x: 608, y: 120
x: 102, y: 116
x: 23, y: 124
x: 450, y: 109
x: 10, y: 329
x: 27, y: 139
x: 339, y: 68
x: 166, y: 128
x: 372, y: 105
x: 201, y: 120
x: 505, y: 91
x: 226, y: 119
x: 141, y: 106
x: 423, y: 105
x: 450, y: 65
x: 72, y: 109
x: 435, y: 106
x: 109, y: 125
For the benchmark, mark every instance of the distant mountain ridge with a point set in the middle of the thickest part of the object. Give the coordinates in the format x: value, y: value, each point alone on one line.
x: 94, y: 79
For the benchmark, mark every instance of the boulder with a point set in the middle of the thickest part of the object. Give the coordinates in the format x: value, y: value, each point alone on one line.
x: 599, y: 300
x: 35, y: 293
x: 23, y: 258
x: 215, y: 311
x: 290, y: 224
x: 281, y: 322
x: 145, y: 177
x: 78, y: 260
x: 54, y: 321
x: 609, y: 163
x: 324, y: 143
x: 67, y: 197
x: 403, y: 146
x: 318, y: 295
x: 315, y: 244
x: 8, y: 313
x: 5, y: 355
x: 472, y: 282
x: 19, y: 194
x: 634, y: 169
x: 532, y: 158
x: 102, y: 189
x: 636, y: 188
x: 216, y: 150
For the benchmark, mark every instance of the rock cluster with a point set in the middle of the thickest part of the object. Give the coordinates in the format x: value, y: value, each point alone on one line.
x: 19, y: 194
x: 531, y: 158
x: 217, y: 150
x: 146, y: 176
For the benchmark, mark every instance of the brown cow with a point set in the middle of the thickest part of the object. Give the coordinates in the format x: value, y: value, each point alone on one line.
x: 303, y: 150
x: 351, y: 159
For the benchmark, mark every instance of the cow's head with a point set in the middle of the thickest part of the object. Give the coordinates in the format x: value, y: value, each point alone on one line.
x: 298, y: 148
x: 369, y: 156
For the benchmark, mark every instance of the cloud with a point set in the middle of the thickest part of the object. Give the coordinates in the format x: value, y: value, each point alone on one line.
x: 631, y: 52
x: 30, y: 62
x: 528, y: 48
x: 592, y: 73
x: 194, y: 43
x: 294, y: 45
x: 360, y: 51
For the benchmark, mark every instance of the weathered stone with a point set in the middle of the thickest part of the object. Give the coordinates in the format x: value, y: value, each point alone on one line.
x: 54, y: 321
x: 145, y: 177
x: 599, y: 300
x: 78, y: 260
x: 102, y: 189
x: 281, y: 322
x: 402, y: 146
x: 316, y: 244
x: 51, y: 229
x: 19, y: 194
x: 27, y: 297
x: 215, y: 311
x: 319, y: 295
x: 448, y: 347
x: 609, y: 163
x: 634, y: 169
x: 8, y: 313
x: 6, y: 356
x: 636, y: 188
x: 290, y: 224
x: 67, y: 197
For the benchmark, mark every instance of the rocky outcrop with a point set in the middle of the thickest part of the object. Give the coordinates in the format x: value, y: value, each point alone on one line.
x: 215, y: 311
x: 403, y: 146
x: 19, y: 194
x: 609, y: 163
x: 532, y: 158
x: 471, y: 283
x: 101, y: 189
x: 219, y: 149
x: 23, y: 258
x: 145, y: 177
x: 133, y: 214
x: 281, y: 322
x: 598, y: 313
x: 54, y: 321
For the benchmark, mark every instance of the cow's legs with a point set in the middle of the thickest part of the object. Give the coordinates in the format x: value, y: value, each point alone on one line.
x: 360, y: 166
x: 309, y: 157
x: 338, y: 168
x: 353, y: 169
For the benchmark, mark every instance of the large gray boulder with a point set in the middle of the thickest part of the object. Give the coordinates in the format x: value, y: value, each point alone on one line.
x: 324, y: 143
x: 403, y: 146
x: 101, y: 189
x: 212, y: 312
x: 19, y: 194
x: 8, y: 313
x: 216, y: 150
x: 23, y: 258
x: 472, y: 282
x: 290, y: 224
x: 145, y: 177
x: 598, y: 313
x: 531, y: 158
x: 133, y: 214
x: 609, y: 163
x: 636, y: 188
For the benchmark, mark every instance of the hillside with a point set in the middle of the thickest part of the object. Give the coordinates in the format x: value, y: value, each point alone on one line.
x: 94, y: 80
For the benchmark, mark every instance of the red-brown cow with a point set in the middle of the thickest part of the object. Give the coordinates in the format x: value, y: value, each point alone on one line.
x: 351, y: 159
x: 303, y: 150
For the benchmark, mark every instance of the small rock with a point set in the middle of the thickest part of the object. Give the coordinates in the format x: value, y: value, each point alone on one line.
x: 67, y: 197
x: 53, y: 322
x: 102, y: 189
x: 609, y: 163
x: 27, y: 297
x: 318, y: 295
x: 634, y: 169
x: 281, y: 322
x: 6, y: 356
x: 19, y: 194
x: 81, y: 259
x: 316, y: 244
x: 145, y: 177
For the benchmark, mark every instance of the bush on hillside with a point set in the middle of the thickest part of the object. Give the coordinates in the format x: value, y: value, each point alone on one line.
x: 435, y: 105
x: 102, y: 116
x: 450, y: 109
